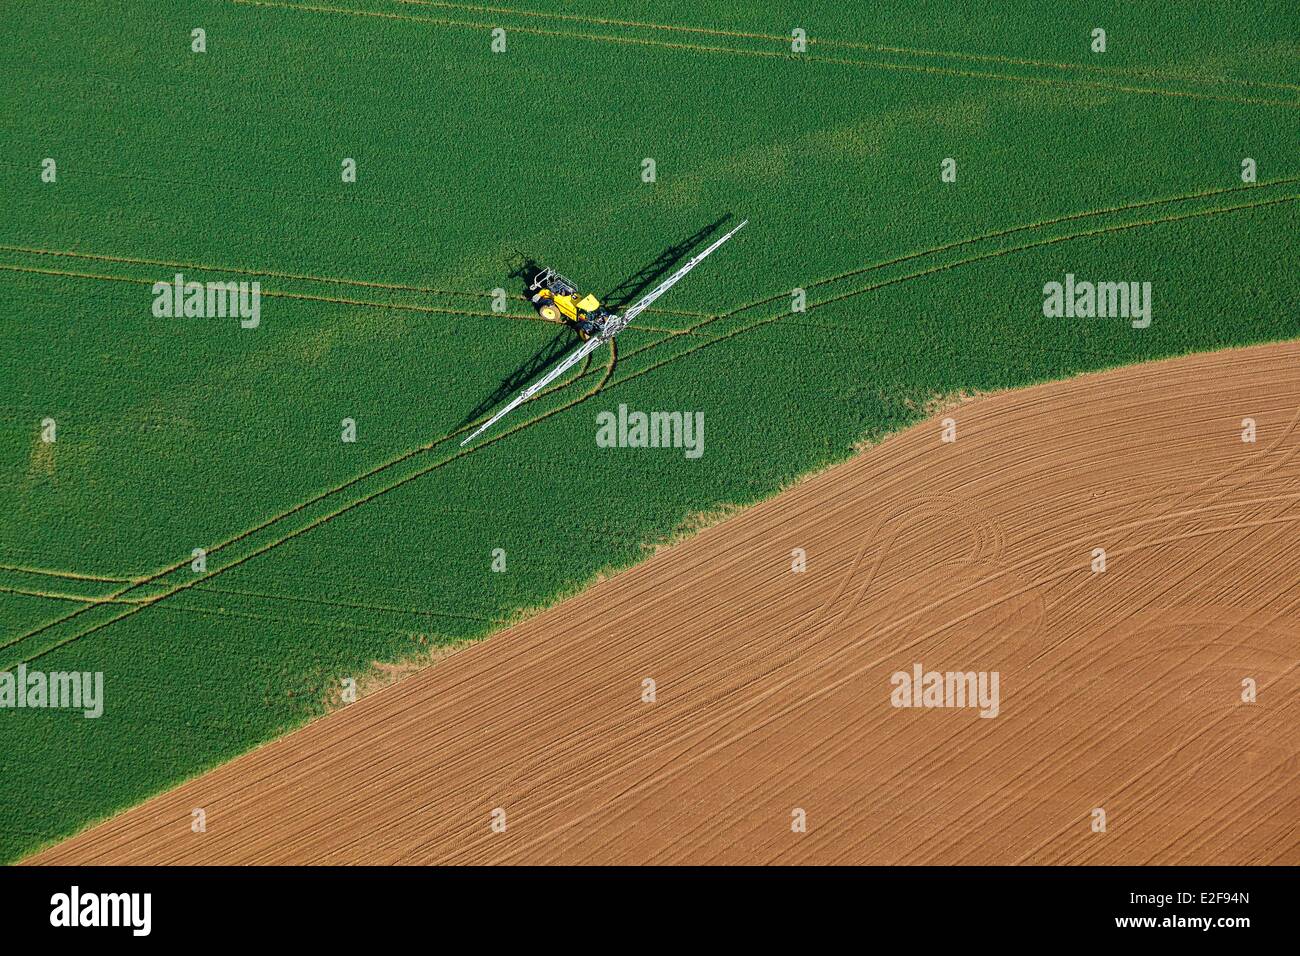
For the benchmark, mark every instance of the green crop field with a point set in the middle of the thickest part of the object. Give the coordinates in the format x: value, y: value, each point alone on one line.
x: 323, y: 558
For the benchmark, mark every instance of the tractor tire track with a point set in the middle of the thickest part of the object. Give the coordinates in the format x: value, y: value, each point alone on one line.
x: 399, y: 306
x: 295, y: 276
x: 70, y: 575
x: 272, y: 520
x: 935, y: 270
x: 793, y: 57
x: 330, y: 516
x: 291, y: 598
x: 855, y: 45
x: 334, y: 300
x: 1027, y: 227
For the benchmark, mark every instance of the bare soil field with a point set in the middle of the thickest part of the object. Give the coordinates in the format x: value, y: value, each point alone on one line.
x: 1121, y: 691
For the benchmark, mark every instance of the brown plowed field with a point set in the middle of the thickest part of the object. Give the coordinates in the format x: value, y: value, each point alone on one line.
x: 1120, y: 690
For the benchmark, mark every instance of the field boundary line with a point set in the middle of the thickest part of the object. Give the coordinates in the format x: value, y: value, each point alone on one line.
x: 893, y: 625
x: 853, y: 44
x: 711, y: 341
x: 768, y: 54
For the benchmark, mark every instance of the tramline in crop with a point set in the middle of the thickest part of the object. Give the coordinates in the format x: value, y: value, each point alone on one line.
x: 594, y: 323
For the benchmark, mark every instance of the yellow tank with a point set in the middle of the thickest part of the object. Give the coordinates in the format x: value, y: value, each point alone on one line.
x: 568, y: 306
x: 557, y: 299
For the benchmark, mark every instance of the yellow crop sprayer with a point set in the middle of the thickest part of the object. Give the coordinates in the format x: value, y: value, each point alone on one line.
x: 557, y: 298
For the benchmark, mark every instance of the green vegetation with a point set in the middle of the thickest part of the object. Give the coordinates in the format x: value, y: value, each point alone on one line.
x: 324, y: 557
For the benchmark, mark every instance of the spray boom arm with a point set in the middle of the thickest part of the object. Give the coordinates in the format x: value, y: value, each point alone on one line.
x: 612, y: 327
